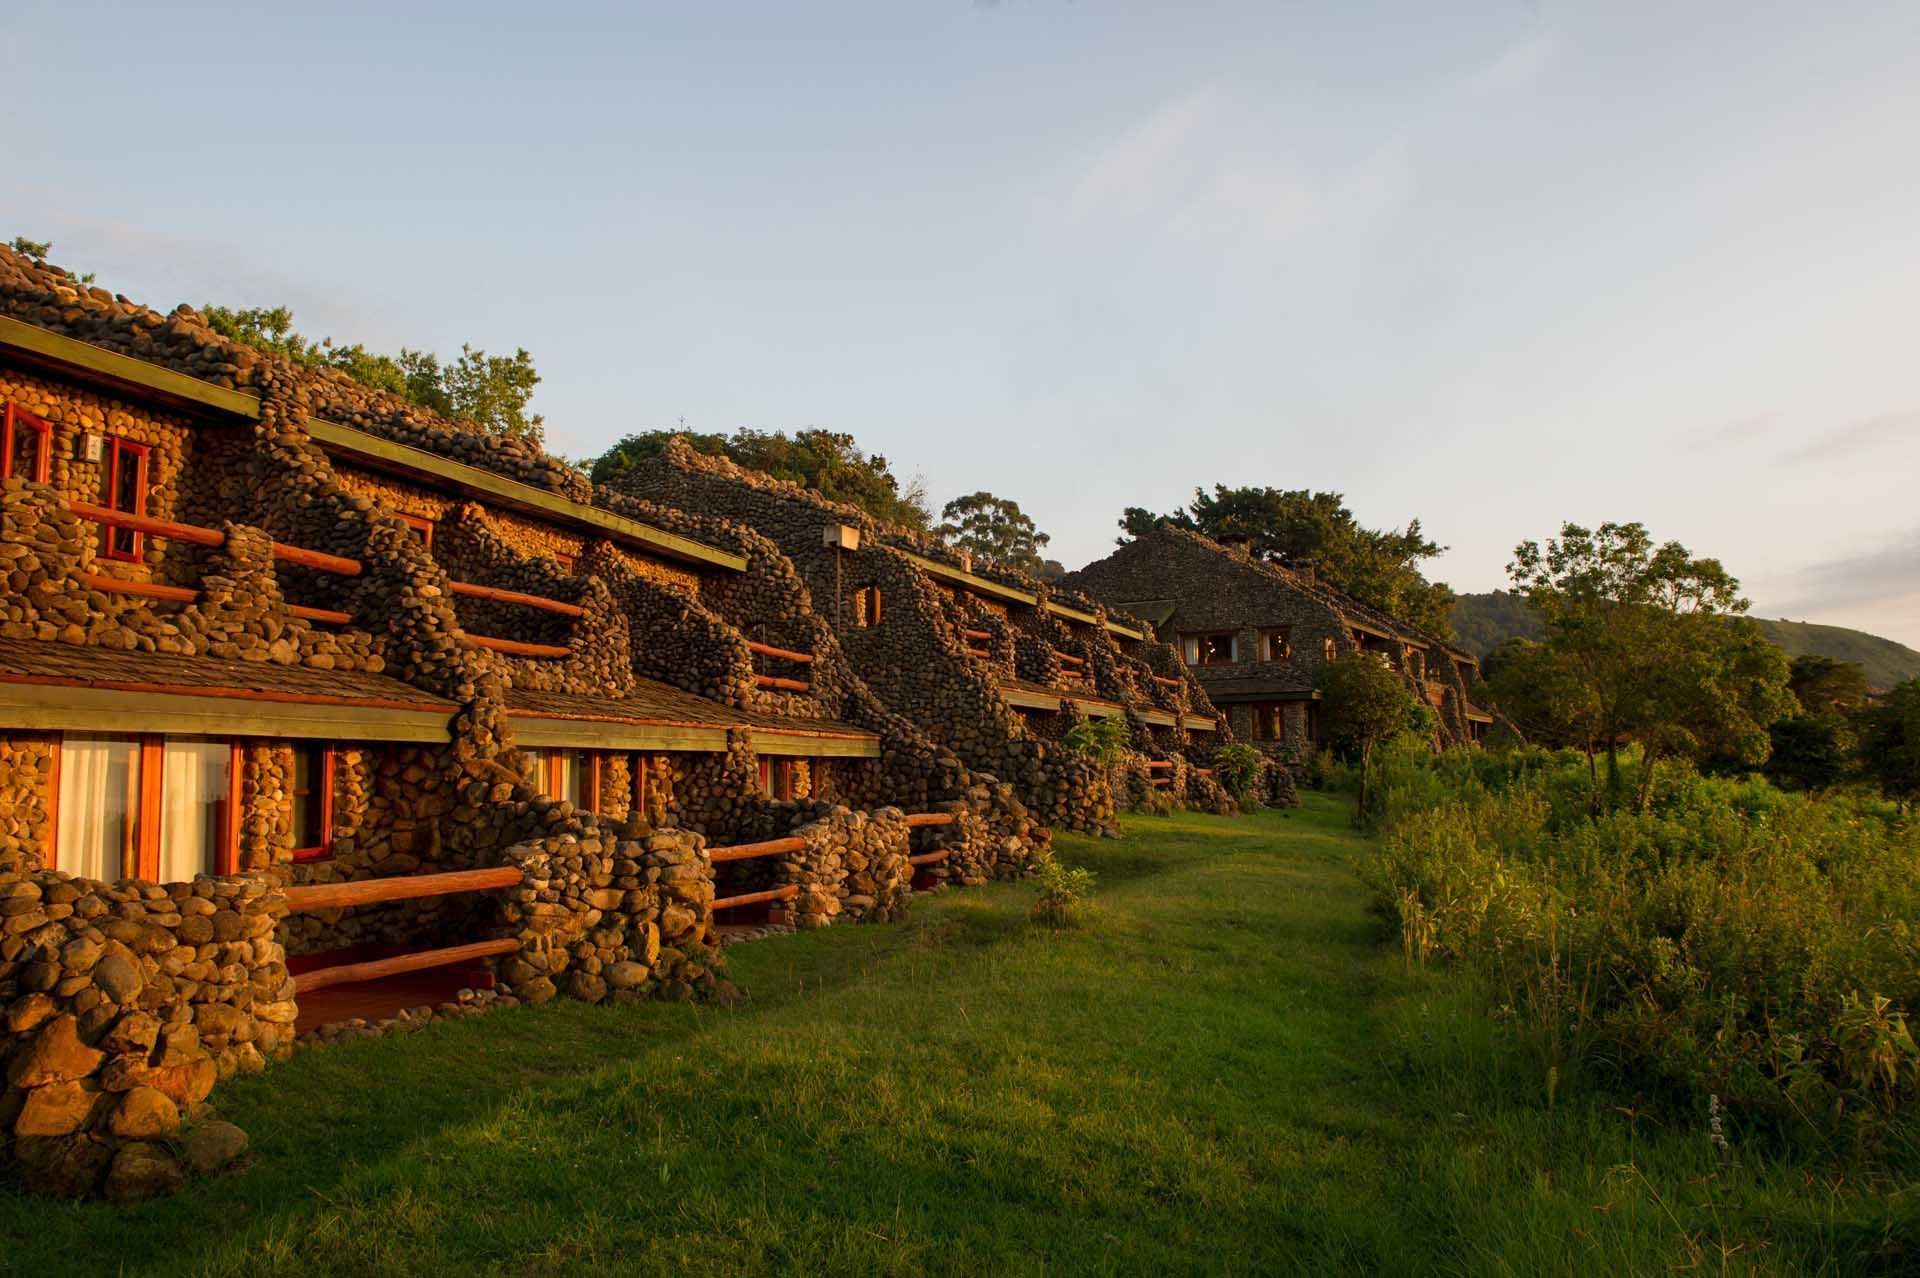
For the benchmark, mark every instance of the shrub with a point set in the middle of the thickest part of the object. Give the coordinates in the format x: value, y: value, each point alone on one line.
x: 1063, y: 893
x: 1733, y: 940
x: 1240, y: 767
x: 1104, y: 741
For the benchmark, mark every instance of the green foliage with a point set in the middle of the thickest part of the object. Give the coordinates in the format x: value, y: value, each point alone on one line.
x: 995, y: 529
x: 1730, y: 940
x: 1305, y: 529
x: 1239, y: 767
x: 827, y: 462
x: 1363, y: 704
x: 1810, y: 752
x: 1890, y: 742
x: 1064, y: 893
x: 1644, y: 643
x: 1824, y: 686
x: 38, y: 250
x: 1103, y: 741
x: 490, y: 390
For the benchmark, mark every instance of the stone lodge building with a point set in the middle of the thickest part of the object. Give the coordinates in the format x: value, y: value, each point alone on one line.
x: 1256, y: 633
x: 314, y: 705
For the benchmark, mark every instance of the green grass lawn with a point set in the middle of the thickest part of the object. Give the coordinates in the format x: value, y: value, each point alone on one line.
x: 1225, y: 1069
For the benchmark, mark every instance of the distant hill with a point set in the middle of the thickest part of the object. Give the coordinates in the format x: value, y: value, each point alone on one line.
x: 1482, y: 623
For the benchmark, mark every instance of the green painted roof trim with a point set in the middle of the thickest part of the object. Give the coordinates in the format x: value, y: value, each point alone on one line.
x: 600, y: 734
x: 120, y: 370
x: 1012, y: 594
x: 388, y: 455
x: 1200, y: 723
x: 60, y: 708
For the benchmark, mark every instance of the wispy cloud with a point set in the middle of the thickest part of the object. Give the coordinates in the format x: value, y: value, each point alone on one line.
x: 1885, y: 576
x: 1203, y: 167
x: 1517, y: 66
x: 1850, y: 438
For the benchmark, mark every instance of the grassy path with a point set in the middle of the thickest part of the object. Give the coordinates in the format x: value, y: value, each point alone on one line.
x: 1224, y: 1071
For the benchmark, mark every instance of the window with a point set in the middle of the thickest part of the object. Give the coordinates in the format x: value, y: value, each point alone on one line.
x: 1270, y: 722
x: 1219, y: 648
x: 153, y: 808
x: 1277, y: 644
x: 776, y: 778
x: 422, y: 525
x: 565, y: 561
x: 573, y: 775
x: 866, y: 606
x: 26, y: 445
x: 312, y: 802
x: 126, y: 493
x: 1332, y: 648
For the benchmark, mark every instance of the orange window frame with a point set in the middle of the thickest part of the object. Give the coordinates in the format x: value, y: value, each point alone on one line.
x: 134, y: 503
x: 323, y: 849
x: 639, y: 768
x: 16, y: 419
x: 140, y: 852
x: 422, y: 525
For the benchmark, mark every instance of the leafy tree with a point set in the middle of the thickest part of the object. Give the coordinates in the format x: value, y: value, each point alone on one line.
x: 828, y: 462
x: 1363, y: 704
x: 492, y: 391
x: 1305, y: 529
x: 1890, y: 741
x: 1102, y: 741
x: 1810, y: 752
x: 993, y: 528
x: 1825, y: 686
x: 1653, y: 643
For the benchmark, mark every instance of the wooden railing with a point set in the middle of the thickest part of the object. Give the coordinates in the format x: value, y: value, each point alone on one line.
x: 786, y: 893
x: 930, y: 858
x: 920, y: 820
x: 785, y: 685
x: 320, y: 561
x: 305, y: 898
x: 785, y: 654
x: 748, y: 851
x: 1164, y: 680
x: 419, y: 960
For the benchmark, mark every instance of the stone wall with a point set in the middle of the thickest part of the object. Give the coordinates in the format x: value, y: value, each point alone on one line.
x: 124, y: 1004
x: 27, y: 803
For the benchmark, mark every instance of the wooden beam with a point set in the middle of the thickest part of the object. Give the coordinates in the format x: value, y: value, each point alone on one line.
x: 930, y: 858
x: 979, y: 585
x: 514, y: 647
x: 319, y: 614
x: 919, y: 820
x: 306, y: 898
x: 143, y: 589
x: 95, y: 363
x: 471, y: 591
x: 166, y: 528
x: 1164, y: 680
x: 786, y: 893
x: 336, y: 564
x: 785, y: 654
x: 748, y: 851
x: 485, y: 485
x: 789, y: 685
x: 419, y: 961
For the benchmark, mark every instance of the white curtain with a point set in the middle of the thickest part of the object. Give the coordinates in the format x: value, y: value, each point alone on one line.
x: 99, y: 804
x: 534, y: 766
x: 193, y: 804
x: 571, y: 787
x: 1190, y: 649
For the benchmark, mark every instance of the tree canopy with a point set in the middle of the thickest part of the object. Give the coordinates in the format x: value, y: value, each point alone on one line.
x: 993, y: 528
x: 1645, y: 643
x: 1306, y: 529
x: 1363, y: 703
x: 490, y: 390
x: 827, y: 462
x: 1890, y: 741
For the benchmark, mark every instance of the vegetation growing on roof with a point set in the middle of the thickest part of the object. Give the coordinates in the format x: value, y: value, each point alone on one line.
x: 827, y: 462
x: 1316, y: 530
x: 493, y: 391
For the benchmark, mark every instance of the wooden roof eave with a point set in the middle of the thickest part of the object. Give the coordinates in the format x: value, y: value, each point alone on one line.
x: 62, y: 707
x: 1010, y: 594
x: 123, y: 374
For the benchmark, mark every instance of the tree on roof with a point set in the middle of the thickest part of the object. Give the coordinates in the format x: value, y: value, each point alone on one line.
x: 492, y: 391
x: 827, y: 462
x: 993, y: 528
x: 1315, y: 530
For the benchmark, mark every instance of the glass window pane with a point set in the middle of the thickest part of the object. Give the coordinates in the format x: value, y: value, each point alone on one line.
x: 99, y: 806
x: 193, y: 807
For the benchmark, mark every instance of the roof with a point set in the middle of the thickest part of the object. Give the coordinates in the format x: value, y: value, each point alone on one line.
x: 46, y: 686
x: 57, y: 686
x: 655, y: 712
x: 1029, y: 695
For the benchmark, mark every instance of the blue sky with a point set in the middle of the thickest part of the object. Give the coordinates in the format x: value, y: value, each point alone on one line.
x: 1494, y: 266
